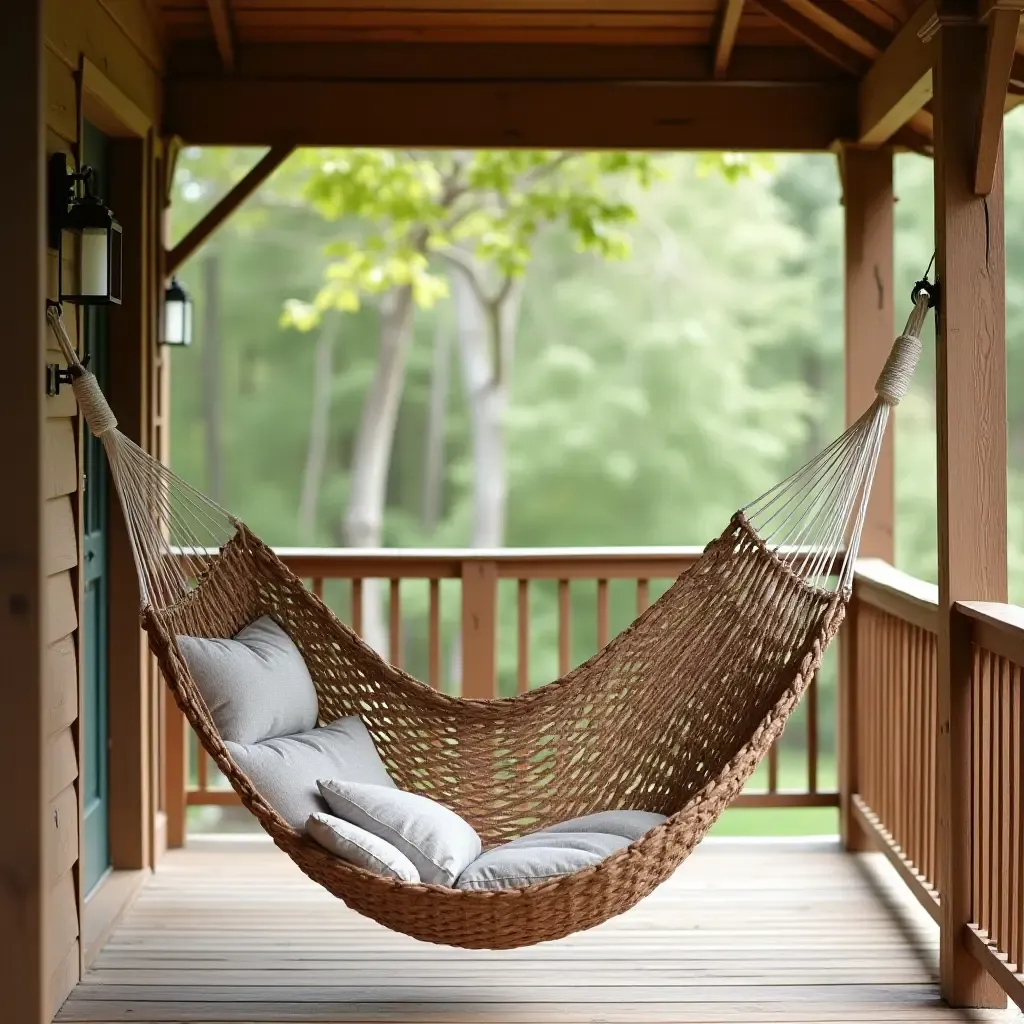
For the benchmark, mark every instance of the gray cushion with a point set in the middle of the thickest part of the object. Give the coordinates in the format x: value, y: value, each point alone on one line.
x: 539, y: 858
x: 359, y: 847
x: 256, y: 686
x: 433, y: 837
x: 285, y: 769
x: 630, y: 824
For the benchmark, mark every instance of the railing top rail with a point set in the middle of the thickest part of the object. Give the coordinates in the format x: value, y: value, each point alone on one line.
x: 996, y: 627
x: 883, y: 586
x: 511, y: 563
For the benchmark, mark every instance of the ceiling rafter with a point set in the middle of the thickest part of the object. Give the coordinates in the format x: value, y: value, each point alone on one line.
x: 899, y: 83
x: 729, y: 15
x: 223, y: 31
x: 815, y: 36
x: 848, y: 25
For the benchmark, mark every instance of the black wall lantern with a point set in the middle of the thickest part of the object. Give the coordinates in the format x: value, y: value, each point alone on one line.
x: 177, y: 322
x: 80, y: 225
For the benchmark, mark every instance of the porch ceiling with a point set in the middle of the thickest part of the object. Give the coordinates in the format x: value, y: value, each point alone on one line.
x: 731, y: 74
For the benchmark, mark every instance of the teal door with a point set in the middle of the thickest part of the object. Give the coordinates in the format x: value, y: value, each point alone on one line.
x: 94, y: 618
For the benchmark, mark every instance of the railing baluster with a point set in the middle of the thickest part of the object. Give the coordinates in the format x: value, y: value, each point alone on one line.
x: 395, y: 624
x: 773, y: 767
x: 434, y: 635
x: 357, y: 606
x: 523, y: 636
x: 1005, y: 799
x: 318, y: 587
x: 977, y: 752
x: 996, y: 755
x: 812, y: 735
x: 643, y: 596
x: 564, y: 627
x: 1016, y: 950
x: 602, y: 613
x: 933, y: 725
x: 984, y: 832
x: 202, y: 766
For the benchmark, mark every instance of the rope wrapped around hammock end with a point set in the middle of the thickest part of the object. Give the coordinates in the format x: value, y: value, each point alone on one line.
x: 894, y: 380
x: 94, y: 407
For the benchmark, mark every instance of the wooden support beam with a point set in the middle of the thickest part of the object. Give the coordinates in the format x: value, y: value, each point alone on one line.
x: 570, y: 115
x: 1000, y: 54
x: 24, y: 893
x: 899, y: 83
x: 729, y: 16
x: 504, y: 62
x: 814, y: 35
x: 971, y: 432
x: 223, y: 32
x: 869, y: 205
x: 269, y: 163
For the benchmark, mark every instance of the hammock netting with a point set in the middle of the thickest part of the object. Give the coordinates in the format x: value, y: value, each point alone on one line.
x: 672, y: 716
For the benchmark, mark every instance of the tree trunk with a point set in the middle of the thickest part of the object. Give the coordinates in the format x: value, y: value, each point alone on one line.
x: 434, y: 462
x: 483, y: 333
x: 211, y: 383
x: 319, y: 429
x: 364, y: 517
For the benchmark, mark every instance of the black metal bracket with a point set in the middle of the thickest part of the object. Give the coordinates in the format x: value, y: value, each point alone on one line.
x: 57, y: 375
x: 926, y: 287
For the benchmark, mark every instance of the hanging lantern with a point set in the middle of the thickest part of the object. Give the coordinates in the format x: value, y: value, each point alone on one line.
x: 82, y: 227
x: 177, y: 322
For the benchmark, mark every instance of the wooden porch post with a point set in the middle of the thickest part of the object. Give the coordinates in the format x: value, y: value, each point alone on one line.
x: 869, y: 330
x: 971, y: 429
x: 23, y: 902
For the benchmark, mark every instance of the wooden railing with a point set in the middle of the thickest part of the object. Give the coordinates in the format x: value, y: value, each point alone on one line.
x: 443, y: 613
x: 890, y: 731
x: 997, y: 785
x: 892, y: 626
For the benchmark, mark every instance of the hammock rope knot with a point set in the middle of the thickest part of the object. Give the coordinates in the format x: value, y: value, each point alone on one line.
x: 894, y: 380
x: 94, y: 407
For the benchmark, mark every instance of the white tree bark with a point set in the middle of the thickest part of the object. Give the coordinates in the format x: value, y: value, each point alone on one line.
x: 319, y: 429
x: 434, y: 461
x: 371, y: 460
x: 486, y: 336
x: 483, y: 332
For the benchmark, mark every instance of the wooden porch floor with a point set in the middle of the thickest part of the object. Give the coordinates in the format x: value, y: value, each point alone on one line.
x: 746, y: 931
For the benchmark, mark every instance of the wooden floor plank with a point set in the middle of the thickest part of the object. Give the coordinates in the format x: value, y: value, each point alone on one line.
x: 778, y: 932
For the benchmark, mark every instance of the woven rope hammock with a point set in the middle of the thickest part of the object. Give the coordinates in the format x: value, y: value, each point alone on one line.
x: 672, y: 716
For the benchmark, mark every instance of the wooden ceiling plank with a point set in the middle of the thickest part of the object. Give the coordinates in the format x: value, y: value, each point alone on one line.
x: 899, y: 83
x: 852, y: 28
x: 570, y: 115
x: 725, y: 35
x: 814, y: 35
x: 1000, y: 54
x: 220, y: 19
x: 227, y: 205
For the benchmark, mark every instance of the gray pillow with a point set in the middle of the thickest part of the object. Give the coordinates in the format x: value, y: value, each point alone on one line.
x: 256, y: 686
x: 538, y: 858
x: 438, y: 842
x: 630, y: 824
x: 285, y: 769
x: 359, y: 847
